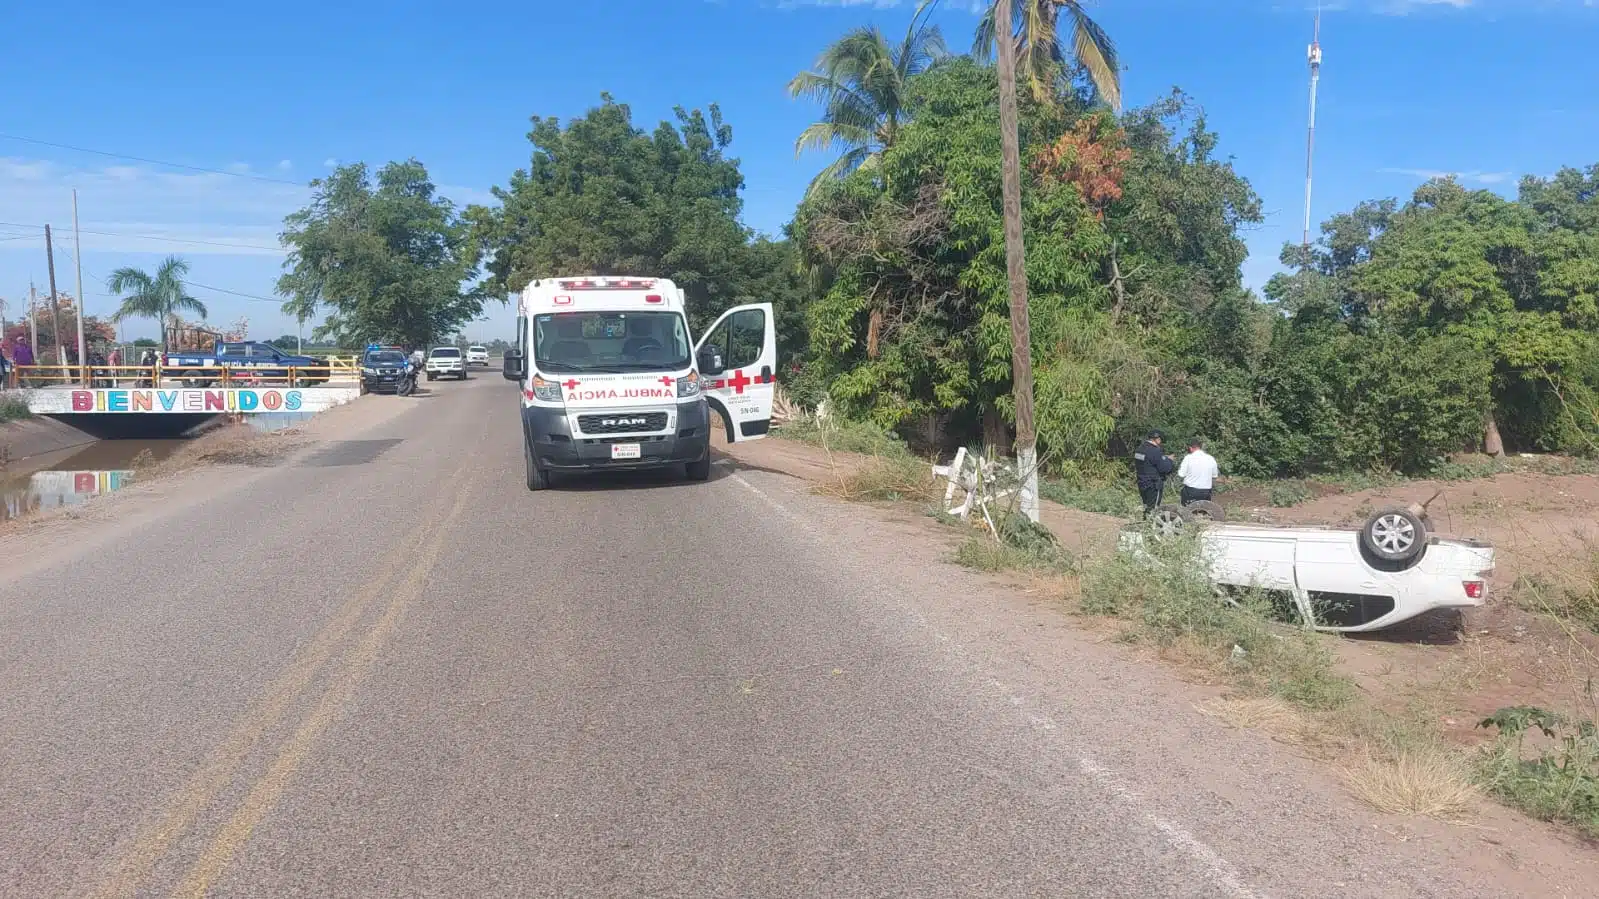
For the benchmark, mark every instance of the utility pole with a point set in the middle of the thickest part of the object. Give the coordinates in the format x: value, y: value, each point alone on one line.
x: 77, y: 258
x: 55, y: 307
x: 33, y: 320
x: 1310, y: 138
x: 1021, y: 336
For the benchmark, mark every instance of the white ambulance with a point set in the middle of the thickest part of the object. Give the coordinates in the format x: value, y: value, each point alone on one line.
x: 611, y: 379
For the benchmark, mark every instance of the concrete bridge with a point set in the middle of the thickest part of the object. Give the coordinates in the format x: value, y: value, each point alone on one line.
x: 140, y: 401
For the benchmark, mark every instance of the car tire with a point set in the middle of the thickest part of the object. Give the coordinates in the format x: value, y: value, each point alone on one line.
x: 1394, y: 536
x: 1205, y: 510
x: 537, y: 478
x: 1168, y: 521
x: 698, y: 471
x: 430, y: 376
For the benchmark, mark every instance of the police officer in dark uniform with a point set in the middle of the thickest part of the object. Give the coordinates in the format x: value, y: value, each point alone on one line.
x: 1151, y: 465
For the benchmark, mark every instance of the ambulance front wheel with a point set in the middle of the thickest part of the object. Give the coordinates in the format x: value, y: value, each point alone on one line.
x: 699, y: 471
x: 537, y: 478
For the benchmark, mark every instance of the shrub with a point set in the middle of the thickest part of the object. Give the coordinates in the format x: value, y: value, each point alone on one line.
x: 1560, y: 784
x: 1166, y: 592
x: 12, y: 408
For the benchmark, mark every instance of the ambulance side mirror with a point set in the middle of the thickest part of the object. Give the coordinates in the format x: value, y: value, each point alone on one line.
x: 513, y: 367
x: 711, y: 361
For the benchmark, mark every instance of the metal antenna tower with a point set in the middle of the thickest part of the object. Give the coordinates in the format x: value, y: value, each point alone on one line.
x: 1310, y: 139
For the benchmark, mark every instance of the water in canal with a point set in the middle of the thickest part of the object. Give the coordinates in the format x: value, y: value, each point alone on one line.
x: 74, y: 476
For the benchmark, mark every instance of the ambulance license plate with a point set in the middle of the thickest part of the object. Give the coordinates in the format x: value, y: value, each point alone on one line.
x: 624, y: 451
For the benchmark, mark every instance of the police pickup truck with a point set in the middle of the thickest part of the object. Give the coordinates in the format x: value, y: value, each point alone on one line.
x: 243, y: 359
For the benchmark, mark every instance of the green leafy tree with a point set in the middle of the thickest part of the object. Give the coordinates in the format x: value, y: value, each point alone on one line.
x: 160, y: 296
x: 862, y: 82
x: 602, y: 196
x: 384, y: 259
x: 1045, y: 58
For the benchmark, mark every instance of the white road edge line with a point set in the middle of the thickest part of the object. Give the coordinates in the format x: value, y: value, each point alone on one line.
x: 1220, y: 871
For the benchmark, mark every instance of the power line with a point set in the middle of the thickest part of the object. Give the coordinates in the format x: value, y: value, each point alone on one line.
x: 175, y: 165
x: 248, y: 296
x: 177, y: 240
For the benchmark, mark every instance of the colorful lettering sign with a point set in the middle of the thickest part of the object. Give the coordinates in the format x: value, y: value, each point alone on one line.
x: 210, y: 401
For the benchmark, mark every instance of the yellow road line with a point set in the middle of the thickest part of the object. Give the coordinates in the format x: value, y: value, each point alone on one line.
x: 268, y: 790
x: 156, y: 837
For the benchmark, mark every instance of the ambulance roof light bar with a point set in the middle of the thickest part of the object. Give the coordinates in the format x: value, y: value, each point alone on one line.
x: 607, y: 283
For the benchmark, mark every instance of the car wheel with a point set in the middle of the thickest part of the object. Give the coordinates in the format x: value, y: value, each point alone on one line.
x: 1394, y: 535
x: 699, y: 471
x: 537, y: 478
x: 1169, y: 521
x: 1205, y: 510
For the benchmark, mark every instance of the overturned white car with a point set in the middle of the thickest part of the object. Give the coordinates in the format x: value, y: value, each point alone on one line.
x: 1390, y: 570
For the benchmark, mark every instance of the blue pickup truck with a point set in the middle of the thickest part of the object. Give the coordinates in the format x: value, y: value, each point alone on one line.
x: 243, y: 359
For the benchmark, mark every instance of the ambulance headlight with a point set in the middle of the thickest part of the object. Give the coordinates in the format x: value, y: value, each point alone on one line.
x: 689, y: 385
x: 548, y: 391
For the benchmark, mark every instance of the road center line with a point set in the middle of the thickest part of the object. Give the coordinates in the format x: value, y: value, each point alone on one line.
x: 156, y: 835
x: 346, y: 679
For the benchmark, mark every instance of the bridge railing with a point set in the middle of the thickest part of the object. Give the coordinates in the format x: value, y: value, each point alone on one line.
x: 334, y: 372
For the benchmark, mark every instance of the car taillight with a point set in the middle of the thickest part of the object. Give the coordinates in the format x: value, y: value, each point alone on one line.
x: 548, y: 391
x: 1475, y: 589
x: 652, y: 298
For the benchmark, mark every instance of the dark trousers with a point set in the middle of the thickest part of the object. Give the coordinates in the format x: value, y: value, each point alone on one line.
x: 1194, y: 494
x: 1150, y: 492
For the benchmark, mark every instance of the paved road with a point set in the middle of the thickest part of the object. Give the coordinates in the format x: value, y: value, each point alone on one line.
x: 385, y: 669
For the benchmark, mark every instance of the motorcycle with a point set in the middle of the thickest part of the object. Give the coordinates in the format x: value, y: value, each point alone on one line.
x: 407, y: 385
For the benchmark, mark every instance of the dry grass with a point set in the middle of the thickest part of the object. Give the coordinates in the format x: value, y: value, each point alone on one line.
x: 1264, y: 713
x: 1424, y: 780
x: 883, y: 479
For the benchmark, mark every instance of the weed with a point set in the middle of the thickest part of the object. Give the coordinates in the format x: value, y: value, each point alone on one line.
x: 1166, y: 591
x: 13, y: 408
x: 1104, y: 498
x: 1020, y: 545
x: 1561, y: 783
x: 843, y: 435
x: 887, y: 478
x: 1574, y: 598
x: 1288, y: 493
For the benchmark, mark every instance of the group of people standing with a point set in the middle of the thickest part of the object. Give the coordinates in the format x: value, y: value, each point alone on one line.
x: 1152, y: 465
x: 18, y: 354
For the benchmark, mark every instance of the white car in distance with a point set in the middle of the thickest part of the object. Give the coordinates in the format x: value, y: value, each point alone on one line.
x: 477, y: 355
x: 446, y: 361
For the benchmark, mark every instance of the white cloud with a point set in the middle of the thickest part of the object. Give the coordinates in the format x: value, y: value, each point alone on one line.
x: 330, y: 162
x: 1473, y: 177
x: 284, y: 165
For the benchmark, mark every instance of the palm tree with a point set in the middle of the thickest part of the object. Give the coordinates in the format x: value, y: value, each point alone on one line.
x: 160, y: 297
x: 861, y: 82
x: 1040, y: 55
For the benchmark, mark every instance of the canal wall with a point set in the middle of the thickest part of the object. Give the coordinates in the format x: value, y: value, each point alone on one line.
x: 38, y: 436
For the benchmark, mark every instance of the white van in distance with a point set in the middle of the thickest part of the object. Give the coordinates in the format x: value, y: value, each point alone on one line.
x: 611, y: 379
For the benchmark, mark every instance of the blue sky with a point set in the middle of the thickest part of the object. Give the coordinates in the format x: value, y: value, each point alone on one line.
x: 1491, y: 89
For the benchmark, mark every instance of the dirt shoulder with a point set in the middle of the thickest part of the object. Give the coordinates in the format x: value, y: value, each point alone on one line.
x: 1450, y: 672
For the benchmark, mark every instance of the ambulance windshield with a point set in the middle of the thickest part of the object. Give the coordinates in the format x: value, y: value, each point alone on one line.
x: 610, y: 342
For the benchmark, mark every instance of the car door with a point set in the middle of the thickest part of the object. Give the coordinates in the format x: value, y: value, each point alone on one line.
x: 738, y: 363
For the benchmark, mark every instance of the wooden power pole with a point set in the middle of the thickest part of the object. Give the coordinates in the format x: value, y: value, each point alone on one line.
x: 1016, y: 264
x: 55, y: 306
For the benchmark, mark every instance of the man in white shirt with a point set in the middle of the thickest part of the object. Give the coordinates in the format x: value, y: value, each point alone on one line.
x: 1199, y: 472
